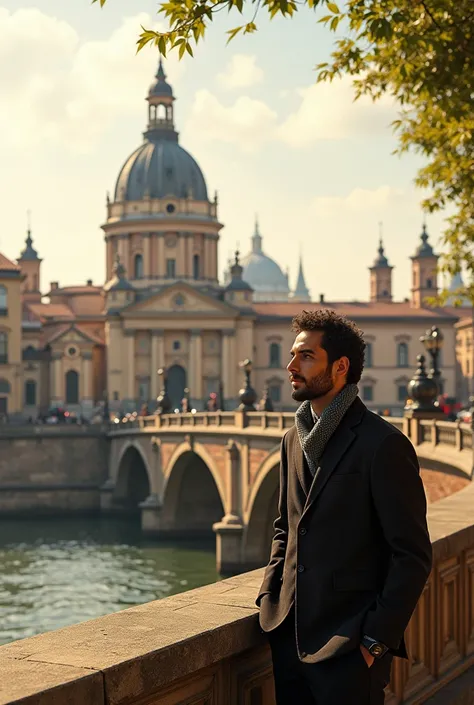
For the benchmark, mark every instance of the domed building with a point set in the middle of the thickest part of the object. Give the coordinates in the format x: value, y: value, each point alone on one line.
x: 162, y: 305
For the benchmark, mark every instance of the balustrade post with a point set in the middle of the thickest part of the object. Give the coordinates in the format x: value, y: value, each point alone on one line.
x: 458, y: 436
x: 229, y: 530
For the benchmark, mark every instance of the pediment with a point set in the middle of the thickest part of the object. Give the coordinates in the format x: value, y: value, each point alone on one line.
x: 180, y: 298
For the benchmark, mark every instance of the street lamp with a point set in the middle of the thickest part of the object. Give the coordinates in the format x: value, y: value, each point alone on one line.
x: 163, y: 401
x: 433, y: 342
x: 422, y: 390
x: 247, y: 395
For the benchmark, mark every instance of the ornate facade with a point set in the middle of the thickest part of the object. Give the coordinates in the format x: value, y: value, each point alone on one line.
x: 162, y: 305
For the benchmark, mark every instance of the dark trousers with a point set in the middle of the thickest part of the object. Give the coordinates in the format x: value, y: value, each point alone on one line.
x: 342, y: 680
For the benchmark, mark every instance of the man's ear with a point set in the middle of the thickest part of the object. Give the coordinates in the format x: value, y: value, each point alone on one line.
x: 342, y: 366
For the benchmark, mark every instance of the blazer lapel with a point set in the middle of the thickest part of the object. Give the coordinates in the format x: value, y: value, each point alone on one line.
x: 298, y: 459
x: 337, y: 447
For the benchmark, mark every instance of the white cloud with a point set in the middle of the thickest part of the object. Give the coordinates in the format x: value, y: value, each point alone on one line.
x: 57, y: 89
x: 359, y: 200
x: 241, y: 72
x: 247, y: 122
x: 328, y: 112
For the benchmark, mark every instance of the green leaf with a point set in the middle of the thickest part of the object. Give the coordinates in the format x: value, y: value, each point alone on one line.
x: 234, y: 32
x: 332, y: 7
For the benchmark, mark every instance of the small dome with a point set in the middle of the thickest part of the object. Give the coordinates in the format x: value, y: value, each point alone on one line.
x: 264, y: 275
x: 160, y: 168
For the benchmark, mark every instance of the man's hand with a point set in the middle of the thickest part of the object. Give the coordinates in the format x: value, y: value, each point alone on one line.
x: 369, y: 659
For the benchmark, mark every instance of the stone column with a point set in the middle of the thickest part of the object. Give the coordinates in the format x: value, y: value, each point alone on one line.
x: 228, y: 364
x: 206, y: 265
x: 161, y: 264
x: 87, y: 380
x: 157, y: 359
x: 56, y: 391
x: 229, y: 531
x: 129, y: 363
x: 181, y: 263
x: 146, y: 254
x: 124, y: 252
x: 188, y: 271
x: 195, y: 366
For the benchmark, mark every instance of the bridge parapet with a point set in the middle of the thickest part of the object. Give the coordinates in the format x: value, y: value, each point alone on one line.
x: 204, y: 646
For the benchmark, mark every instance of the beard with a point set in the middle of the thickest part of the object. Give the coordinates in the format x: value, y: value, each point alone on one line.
x: 315, y: 387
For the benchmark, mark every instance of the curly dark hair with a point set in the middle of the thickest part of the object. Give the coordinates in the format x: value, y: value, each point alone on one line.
x: 341, y: 338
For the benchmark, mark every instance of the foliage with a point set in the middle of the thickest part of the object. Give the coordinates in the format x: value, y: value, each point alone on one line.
x: 421, y: 52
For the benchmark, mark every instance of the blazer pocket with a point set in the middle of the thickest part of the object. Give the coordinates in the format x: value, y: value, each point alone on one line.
x: 343, y: 476
x: 355, y: 580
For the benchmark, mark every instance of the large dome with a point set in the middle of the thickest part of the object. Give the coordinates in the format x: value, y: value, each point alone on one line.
x: 160, y: 168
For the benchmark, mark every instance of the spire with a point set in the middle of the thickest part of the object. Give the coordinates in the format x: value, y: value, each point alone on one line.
x: 160, y: 74
x: 301, y: 293
x: 119, y: 280
x: 257, y: 239
x: 424, y: 249
x: 28, y: 252
x: 236, y: 271
x: 381, y: 261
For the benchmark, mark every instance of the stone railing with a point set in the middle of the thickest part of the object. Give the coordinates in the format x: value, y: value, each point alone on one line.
x: 440, y: 442
x: 204, y: 646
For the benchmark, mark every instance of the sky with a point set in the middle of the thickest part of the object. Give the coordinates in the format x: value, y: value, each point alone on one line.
x: 316, y: 167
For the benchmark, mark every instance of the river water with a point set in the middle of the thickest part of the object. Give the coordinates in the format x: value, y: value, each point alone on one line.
x: 57, y: 572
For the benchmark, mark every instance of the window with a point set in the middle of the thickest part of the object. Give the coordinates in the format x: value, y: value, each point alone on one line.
x: 30, y: 392
x: 4, y: 386
x: 72, y: 387
x: 429, y: 284
x: 368, y: 392
x: 170, y: 208
x: 275, y: 355
x: 402, y: 393
x: 402, y: 355
x: 3, y: 301
x: 274, y: 392
x: 3, y: 348
x: 171, y: 268
x: 196, y: 267
x: 176, y: 345
x: 115, y: 396
x: 368, y: 355
x: 144, y: 390
x: 138, y: 267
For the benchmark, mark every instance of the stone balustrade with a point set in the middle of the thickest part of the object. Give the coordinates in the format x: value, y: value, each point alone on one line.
x: 204, y: 646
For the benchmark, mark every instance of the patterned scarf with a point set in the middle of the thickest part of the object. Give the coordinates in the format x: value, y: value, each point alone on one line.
x: 314, y: 436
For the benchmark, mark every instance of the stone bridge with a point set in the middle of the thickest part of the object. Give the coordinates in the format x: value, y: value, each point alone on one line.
x: 191, y: 474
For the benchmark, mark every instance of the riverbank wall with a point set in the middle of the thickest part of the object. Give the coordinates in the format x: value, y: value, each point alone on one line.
x: 52, y: 469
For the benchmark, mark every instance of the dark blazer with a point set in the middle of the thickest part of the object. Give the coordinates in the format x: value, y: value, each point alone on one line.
x: 351, y: 548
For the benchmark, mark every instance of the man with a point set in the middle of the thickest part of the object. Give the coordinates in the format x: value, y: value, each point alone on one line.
x: 351, y: 551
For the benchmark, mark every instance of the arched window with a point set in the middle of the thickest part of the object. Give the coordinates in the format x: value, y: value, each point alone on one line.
x: 138, y: 267
x: 274, y: 392
x: 275, y: 355
x: 3, y: 348
x: 196, y: 267
x: 3, y: 300
x: 369, y: 355
x: 72, y: 387
x: 30, y: 392
x: 402, y: 355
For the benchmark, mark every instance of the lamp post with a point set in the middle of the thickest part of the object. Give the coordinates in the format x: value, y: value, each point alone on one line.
x: 247, y: 395
x: 163, y: 401
x: 106, y: 409
x: 422, y: 390
x: 433, y: 342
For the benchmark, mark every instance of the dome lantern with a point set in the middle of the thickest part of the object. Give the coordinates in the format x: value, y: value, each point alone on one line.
x: 160, y: 108
x: 263, y: 274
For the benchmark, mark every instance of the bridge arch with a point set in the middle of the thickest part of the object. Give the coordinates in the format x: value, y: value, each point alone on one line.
x: 133, y: 481
x: 193, y: 495
x: 262, y: 511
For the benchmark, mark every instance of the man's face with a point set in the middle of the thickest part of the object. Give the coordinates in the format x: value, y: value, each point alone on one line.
x: 310, y: 375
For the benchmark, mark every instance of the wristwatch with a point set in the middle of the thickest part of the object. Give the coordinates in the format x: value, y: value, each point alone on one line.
x: 374, y: 647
